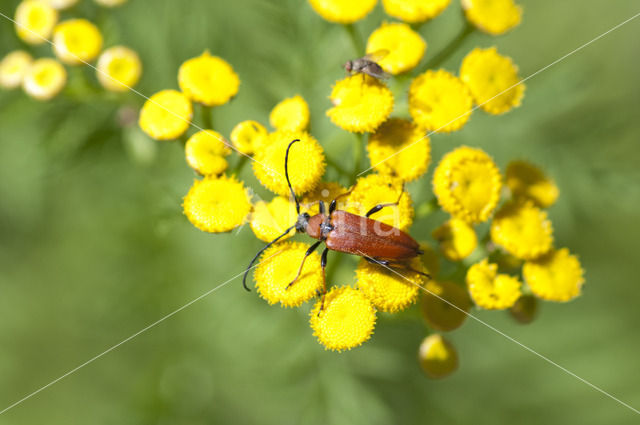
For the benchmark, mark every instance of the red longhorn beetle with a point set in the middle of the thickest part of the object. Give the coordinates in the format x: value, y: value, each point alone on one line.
x: 345, y: 232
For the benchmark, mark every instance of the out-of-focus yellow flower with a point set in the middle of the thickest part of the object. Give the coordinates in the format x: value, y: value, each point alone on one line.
x: 375, y: 189
x: 13, y: 67
x: 208, y: 79
x: 292, y: 114
x: 360, y: 103
x: 438, y: 305
x: 405, y: 46
x: 306, y: 163
x: 527, y: 181
x: 439, y: 101
x: 556, y: 276
x: 278, y: 267
x: 467, y: 183
x: 430, y: 258
x: 414, y: 11
x: 119, y: 68
x: 204, y: 152
x: 493, y: 80
x: 44, y: 79
x: 166, y: 115
x: 248, y: 136
x: 61, y: 4
x: 325, y: 192
x: 437, y: 357
x: 34, y: 21
x: 457, y: 239
x: 76, y: 41
x: 399, y: 148
x: 489, y: 289
x: 270, y: 220
x: 345, y: 321
x: 110, y: 3
x: 217, y: 204
x: 522, y: 229
x: 390, y: 290
x: 492, y: 16
x: 343, y: 11
x: 525, y: 309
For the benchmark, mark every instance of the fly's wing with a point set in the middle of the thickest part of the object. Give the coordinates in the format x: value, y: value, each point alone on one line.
x: 374, y: 70
x: 376, y: 56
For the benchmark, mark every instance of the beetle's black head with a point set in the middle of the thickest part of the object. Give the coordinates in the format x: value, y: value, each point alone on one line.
x: 302, y: 223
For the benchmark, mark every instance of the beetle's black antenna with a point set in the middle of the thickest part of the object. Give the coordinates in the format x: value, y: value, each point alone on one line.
x: 244, y: 278
x: 286, y: 173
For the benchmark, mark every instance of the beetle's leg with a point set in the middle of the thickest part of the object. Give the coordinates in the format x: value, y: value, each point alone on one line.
x: 321, y: 207
x: 306, y: 254
x: 323, y: 263
x: 334, y: 203
x: 381, y: 206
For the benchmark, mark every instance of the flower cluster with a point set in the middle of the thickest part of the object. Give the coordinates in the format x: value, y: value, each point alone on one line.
x: 75, y: 41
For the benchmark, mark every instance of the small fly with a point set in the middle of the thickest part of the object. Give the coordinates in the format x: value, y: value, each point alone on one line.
x: 368, y: 65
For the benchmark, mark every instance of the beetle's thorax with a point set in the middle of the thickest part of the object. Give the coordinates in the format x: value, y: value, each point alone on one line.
x: 319, y: 226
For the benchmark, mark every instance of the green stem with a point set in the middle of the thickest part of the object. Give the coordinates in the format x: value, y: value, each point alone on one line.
x: 356, y: 39
x: 357, y: 155
x: 240, y: 164
x: 453, y: 45
x: 337, y: 167
x: 206, y: 116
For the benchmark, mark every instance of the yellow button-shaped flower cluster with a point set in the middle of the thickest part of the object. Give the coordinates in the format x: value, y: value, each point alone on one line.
x: 13, y: 67
x: 556, y: 276
x: 208, y: 80
x: 457, y: 239
x: 489, y: 289
x: 205, y: 152
x: 270, y: 219
x: 291, y: 114
x: 399, y: 148
x: 61, y: 4
x: 343, y: 11
x: 439, y: 101
x: 445, y: 305
x: 166, y: 115
x: 44, y: 79
x: 405, y: 47
x: 34, y: 21
x: 248, y: 136
x: 76, y: 41
x: 119, y: 69
x: 414, y: 11
x: 437, y: 357
x: 344, y: 320
x: 217, y: 204
x: 467, y: 183
x: 306, y: 163
x: 325, y: 192
x: 360, y: 103
x: 493, y: 80
x: 278, y: 267
x: 390, y: 289
x: 494, y: 17
x: 527, y: 181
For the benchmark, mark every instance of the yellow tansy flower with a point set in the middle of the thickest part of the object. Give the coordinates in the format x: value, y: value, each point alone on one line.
x: 76, y: 41
x: 204, y: 152
x: 489, y: 289
x: 166, y: 115
x: 405, y: 46
x: 467, y: 183
x: 375, y: 189
x: 291, y: 114
x: 306, y: 163
x: 208, y: 80
x: 430, y: 258
x: 119, y: 68
x: 217, y: 204
x: 414, y: 11
x: 61, y: 4
x: 343, y: 11
x: 527, y: 181
x: 556, y: 276
x: 248, y: 136
x: 438, y: 305
x: 399, y: 147
x: 360, y: 103
x: 269, y: 220
x: 522, y: 229
x: 110, y: 3
x: 279, y: 266
x: 492, y: 16
x: 437, y: 357
x: 13, y: 67
x: 34, y: 21
x: 457, y: 239
x: 44, y: 79
x: 525, y: 309
x: 492, y: 79
x: 439, y: 101
x: 344, y: 321
x: 325, y: 192
x: 390, y: 290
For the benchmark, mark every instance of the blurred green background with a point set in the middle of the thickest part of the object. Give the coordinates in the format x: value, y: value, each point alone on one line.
x: 95, y: 247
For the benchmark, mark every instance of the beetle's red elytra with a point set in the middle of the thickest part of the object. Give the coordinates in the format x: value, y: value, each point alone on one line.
x: 342, y: 231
